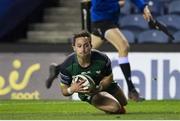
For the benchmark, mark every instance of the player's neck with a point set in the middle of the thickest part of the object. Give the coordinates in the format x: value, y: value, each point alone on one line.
x: 84, y: 62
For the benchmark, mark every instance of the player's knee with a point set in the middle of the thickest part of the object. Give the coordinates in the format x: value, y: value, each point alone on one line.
x: 123, y: 101
x: 124, y: 50
x: 114, y: 108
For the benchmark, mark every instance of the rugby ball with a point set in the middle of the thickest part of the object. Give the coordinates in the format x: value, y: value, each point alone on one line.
x: 88, y: 84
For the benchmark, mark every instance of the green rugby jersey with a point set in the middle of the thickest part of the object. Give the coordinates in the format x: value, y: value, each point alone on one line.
x: 100, y: 66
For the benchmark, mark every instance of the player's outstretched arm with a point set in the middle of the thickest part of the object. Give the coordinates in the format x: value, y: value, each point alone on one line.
x: 143, y: 7
x: 121, y: 3
x: 147, y: 13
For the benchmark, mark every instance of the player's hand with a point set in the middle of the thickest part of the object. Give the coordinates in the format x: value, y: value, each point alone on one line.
x: 121, y: 3
x: 77, y: 86
x: 147, y: 13
x: 92, y: 91
x: 87, y: 91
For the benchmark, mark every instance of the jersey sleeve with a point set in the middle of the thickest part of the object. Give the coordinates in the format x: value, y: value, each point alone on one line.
x: 64, y: 77
x: 140, y: 4
x: 107, y: 68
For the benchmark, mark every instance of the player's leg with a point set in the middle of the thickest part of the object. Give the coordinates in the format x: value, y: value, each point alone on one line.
x: 119, y: 41
x: 53, y: 73
x: 115, y: 90
x: 96, y: 41
x: 107, y: 103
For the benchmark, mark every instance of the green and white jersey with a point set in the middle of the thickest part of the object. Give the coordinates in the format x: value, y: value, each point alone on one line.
x: 100, y: 66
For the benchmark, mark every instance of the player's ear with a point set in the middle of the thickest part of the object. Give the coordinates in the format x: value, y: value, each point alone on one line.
x: 91, y: 46
x: 90, y: 42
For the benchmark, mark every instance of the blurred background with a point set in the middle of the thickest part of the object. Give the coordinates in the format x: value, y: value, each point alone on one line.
x: 54, y: 21
x: 35, y: 33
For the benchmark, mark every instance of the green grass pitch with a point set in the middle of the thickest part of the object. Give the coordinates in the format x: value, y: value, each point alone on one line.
x: 77, y: 110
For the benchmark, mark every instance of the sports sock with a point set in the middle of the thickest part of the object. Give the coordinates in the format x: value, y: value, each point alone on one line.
x: 126, y: 69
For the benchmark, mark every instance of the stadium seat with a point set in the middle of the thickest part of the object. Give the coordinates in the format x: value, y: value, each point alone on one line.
x: 134, y: 23
x: 177, y: 37
x: 152, y: 36
x: 166, y: 1
x: 171, y: 21
x: 129, y: 35
x: 165, y: 4
x: 174, y: 7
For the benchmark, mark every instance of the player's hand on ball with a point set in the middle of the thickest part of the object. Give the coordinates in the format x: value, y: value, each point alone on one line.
x: 77, y: 86
x: 93, y: 90
x: 87, y: 83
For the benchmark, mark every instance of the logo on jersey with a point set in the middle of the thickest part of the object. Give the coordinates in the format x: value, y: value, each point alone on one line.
x: 98, y: 72
x: 88, y: 72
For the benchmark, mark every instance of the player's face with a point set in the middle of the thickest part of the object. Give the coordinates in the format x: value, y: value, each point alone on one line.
x: 82, y: 46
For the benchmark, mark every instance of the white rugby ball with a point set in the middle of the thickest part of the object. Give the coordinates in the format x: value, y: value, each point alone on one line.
x: 88, y: 84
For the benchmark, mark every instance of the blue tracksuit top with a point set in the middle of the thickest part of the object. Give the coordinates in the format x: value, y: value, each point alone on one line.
x: 109, y: 9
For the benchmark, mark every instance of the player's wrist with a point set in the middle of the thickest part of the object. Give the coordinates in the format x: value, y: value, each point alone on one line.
x: 69, y: 91
x: 143, y: 8
x: 99, y: 88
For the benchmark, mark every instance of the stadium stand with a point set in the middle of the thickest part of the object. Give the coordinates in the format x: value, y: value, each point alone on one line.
x: 126, y: 9
x: 152, y: 36
x: 165, y: 4
x: 177, y: 37
x: 134, y: 23
x: 63, y: 18
x: 172, y: 22
x: 59, y: 24
x: 129, y: 35
x: 16, y: 15
x: 156, y: 7
x: 174, y: 7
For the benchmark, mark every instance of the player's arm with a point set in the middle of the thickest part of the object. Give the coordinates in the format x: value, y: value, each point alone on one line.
x: 147, y: 13
x: 68, y: 90
x: 121, y: 3
x: 105, y: 82
x: 108, y: 76
x: 64, y: 89
x: 65, y: 82
x: 144, y: 9
x: 66, y: 85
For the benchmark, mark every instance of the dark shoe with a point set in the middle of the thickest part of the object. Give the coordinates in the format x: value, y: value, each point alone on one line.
x: 52, y: 75
x: 134, y: 95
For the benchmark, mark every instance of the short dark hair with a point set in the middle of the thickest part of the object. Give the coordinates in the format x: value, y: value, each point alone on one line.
x: 81, y: 34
